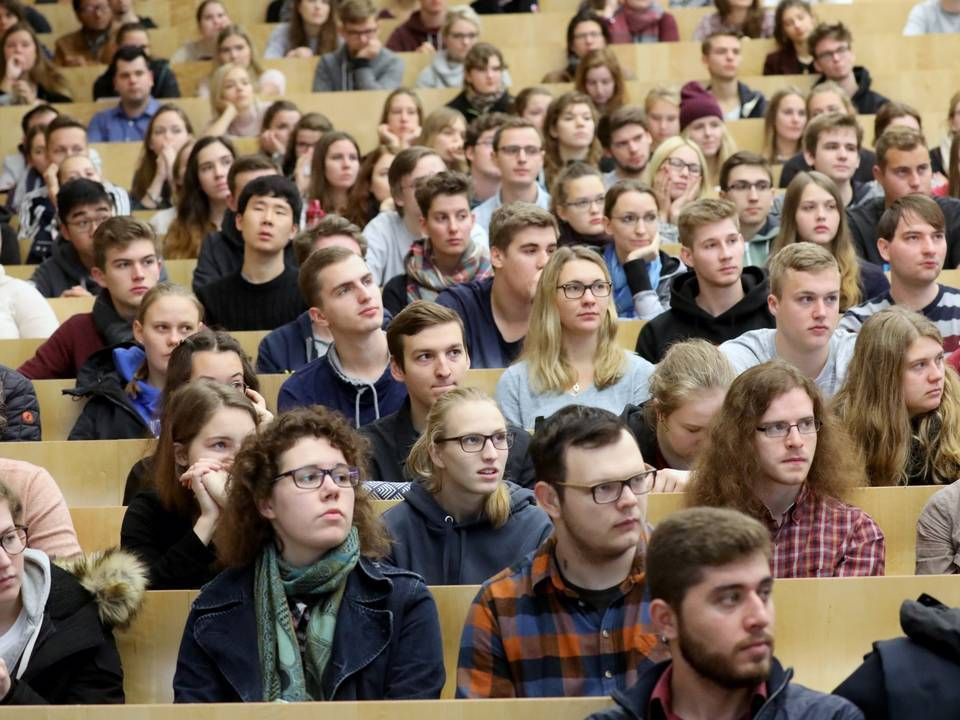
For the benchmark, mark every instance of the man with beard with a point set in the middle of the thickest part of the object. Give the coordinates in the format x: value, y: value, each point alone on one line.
x: 708, y: 571
x: 624, y: 135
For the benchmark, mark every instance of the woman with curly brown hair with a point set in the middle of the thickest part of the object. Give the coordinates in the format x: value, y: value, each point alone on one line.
x: 777, y: 454
x: 305, y: 610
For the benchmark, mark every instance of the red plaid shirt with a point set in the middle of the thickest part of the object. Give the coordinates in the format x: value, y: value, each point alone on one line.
x: 824, y: 537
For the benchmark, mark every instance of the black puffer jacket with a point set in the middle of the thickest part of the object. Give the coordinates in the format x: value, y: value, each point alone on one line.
x: 21, y: 411
x: 109, y: 414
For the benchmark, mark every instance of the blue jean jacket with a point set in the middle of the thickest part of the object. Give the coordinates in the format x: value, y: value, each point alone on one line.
x: 386, y: 643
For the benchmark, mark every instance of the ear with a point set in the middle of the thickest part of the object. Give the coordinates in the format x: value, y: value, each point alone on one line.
x: 294, y: 229
x: 138, y: 331
x: 808, y: 158
x: 317, y: 316
x: 497, y: 258
x: 238, y: 218
x: 548, y: 499
x: 883, y: 247
x: 664, y: 619
x: 436, y: 457
x: 180, y: 454
x: 396, y: 371
x: 686, y: 256
x: 773, y: 304
x: 470, y: 152
x: 423, y: 225
x: 877, y: 172
x: 98, y: 276
x: 265, y: 508
x: 608, y: 225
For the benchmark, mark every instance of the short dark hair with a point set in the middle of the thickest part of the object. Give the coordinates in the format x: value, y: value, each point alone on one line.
x: 582, y: 16
x: 897, y: 138
x: 329, y: 225
x: 128, y: 28
x: 689, y: 541
x: 481, y: 124
x: 573, y: 426
x: 414, y: 319
x: 119, y: 231
x: 275, y: 186
x: 308, y: 280
x: 829, y: 121
x: 33, y: 112
x: 890, y: 111
x: 834, y: 31
x: 923, y: 207
x: 514, y: 123
x: 128, y: 53
x: 403, y: 165
x: 741, y: 158
x: 448, y: 182
x: 80, y: 191
x: 707, y: 42
x: 509, y: 219
x: 249, y: 163
x: 620, y: 118
x: 276, y: 107
x: 62, y: 122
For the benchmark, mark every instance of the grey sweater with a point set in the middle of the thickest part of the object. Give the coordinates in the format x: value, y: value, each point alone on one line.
x: 337, y: 71
x: 929, y: 17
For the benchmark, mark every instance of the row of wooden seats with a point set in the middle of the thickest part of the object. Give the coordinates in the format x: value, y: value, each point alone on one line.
x: 896, y: 510
x: 823, y: 629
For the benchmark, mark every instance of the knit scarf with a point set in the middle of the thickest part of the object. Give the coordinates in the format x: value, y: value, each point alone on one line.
x: 425, y: 280
x: 288, y: 676
x: 483, y: 102
x: 644, y: 25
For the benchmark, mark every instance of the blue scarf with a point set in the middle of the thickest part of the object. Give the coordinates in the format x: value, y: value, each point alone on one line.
x: 621, y: 289
x: 146, y: 398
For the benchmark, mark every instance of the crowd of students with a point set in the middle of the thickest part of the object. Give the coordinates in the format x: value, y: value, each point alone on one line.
x: 778, y: 367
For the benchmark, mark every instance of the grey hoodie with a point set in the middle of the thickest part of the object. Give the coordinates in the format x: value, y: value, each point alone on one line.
x: 442, y: 72
x: 34, y: 591
x: 337, y: 71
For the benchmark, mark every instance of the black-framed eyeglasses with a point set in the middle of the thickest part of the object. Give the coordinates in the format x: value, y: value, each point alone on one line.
x: 311, y: 477
x: 806, y: 426
x: 610, y: 491
x: 475, y: 442
x: 582, y: 204
x: 746, y: 186
x: 14, y: 540
x: 575, y: 290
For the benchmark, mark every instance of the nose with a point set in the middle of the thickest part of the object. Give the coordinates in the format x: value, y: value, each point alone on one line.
x: 793, y: 438
x: 753, y: 193
x: 627, y: 499
x: 757, y: 615
x: 138, y: 270
x: 441, y: 368
x: 488, y: 450
x: 363, y: 294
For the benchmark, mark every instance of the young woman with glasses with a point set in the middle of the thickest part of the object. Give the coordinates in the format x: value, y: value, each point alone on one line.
x: 464, y: 521
x: 577, y: 201
x: 305, y: 611
x: 676, y: 173
x: 570, y: 355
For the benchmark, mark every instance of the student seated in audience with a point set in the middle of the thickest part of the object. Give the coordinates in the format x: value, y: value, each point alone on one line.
x: 443, y: 132
x: 592, y: 481
x: 161, y: 220
x: 91, y: 44
x: 354, y: 375
x: 19, y: 409
x: 236, y: 111
x: 832, y: 48
x: 126, y: 265
x: 26, y: 74
x: 721, y: 55
x: 640, y: 271
x: 717, y: 299
x: 903, y: 167
x: 702, y: 122
x: 298, y: 342
x: 422, y: 31
x: 401, y: 119
x: 124, y: 383
x: 576, y: 198
x: 777, y: 454
x: 133, y: 82
x: 915, y: 252
x: 377, y: 626
x: 940, y: 155
x: 518, y: 159
x: 932, y: 16
x: 134, y: 34
x: 805, y: 296
x: 13, y: 12
x: 570, y: 354
x: 167, y: 132
x: 812, y: 212
x: 687, y: 388
x: 569, y: 133
x: 124, y: 12
x: 334, y: 171
x: 235, y: 46
x: 211, y: 18
x: 831, y: 145
x: 263, y: 294
x: 783, y: 124
x: 311, y: 127
x: 746, y: 181
x: 496, y: 311
x: 361, y: 62
x: 793, y: 21
x: 753, y: 21
x: 642, y: 21
x: 586, y: 31
x: 171, y: 523
x: 531, y: 104
x: 899, y: 403
x: 23, y: 169
x: 311, y: 30
x: 221, y: 253
x: 203, y: 200
x: 720, y: 659
x: 24, y: 312
x: 448, y: 255
x: 624, y: 136
x: 57, y: 625
x: 938, y: 533
x: 460, y: 32
x: 662, y: 108
x: 464, y: 520
x: 484, y: 87
x: 677, y: 173
x: 46, y: 516
x: 371, y: 192
x: 428, y: 355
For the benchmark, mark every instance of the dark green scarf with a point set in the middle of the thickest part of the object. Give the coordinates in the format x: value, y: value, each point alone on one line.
x: 287, y: 676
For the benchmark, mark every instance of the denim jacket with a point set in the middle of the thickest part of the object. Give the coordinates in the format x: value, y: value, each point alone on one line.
x: 386, y: 644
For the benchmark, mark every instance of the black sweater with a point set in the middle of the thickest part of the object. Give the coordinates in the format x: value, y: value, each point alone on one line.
x: 235, y: 304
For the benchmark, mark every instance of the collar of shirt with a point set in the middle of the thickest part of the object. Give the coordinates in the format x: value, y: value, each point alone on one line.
x: 149, y: 111
x: 794, y: 514
x: 661, y: 699
x: 544, y: 568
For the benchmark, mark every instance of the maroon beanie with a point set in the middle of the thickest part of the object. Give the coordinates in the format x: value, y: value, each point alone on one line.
x: 695, y: 103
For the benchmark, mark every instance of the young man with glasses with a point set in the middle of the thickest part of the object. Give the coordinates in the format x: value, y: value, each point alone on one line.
x: 746, y: 181
x: 518, y: 153
x: 584, y: 588
x: 361, y: 63
x: 832, y: 49
x: 478, y: 147
x: 805, y: 300
x: 777, y: 453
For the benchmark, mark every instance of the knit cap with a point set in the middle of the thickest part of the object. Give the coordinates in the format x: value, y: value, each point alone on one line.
x: 695, y: 103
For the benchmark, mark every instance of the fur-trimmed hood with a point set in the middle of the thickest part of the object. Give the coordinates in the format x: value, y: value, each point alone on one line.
x: 115, y: 578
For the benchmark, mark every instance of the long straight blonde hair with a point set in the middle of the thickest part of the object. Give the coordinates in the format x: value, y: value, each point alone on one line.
x: 549, y: 368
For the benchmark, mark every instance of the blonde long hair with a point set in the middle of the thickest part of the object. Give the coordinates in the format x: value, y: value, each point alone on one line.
x: 549, y: 368
x: 871, y: 407
x: 841, y: 247
x: 496, y: 508
x: 727, y: 148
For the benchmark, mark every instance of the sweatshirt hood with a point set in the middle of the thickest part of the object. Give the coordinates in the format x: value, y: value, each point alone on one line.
x: 34, y: 591
x: 228, y: 229
x: 423, y: 502
x: 362, y: 388
x: 686, y: 287
x: 451, y: 72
